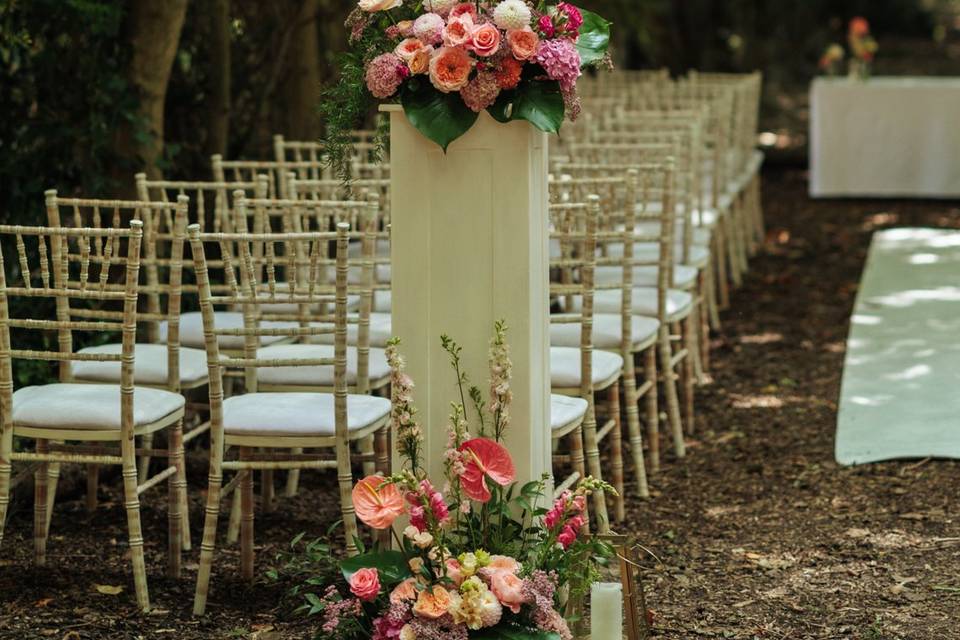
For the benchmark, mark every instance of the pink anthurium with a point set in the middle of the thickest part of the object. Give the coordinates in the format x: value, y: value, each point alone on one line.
x: 376, y: 504
x: 483, y: 458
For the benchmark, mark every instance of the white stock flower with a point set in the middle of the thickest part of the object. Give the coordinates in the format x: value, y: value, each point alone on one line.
x: 512, y: 14
x: 372, y: 6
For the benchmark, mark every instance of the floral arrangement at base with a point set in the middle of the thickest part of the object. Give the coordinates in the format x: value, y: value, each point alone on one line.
x: 446, y: 61
x: 481, y: 558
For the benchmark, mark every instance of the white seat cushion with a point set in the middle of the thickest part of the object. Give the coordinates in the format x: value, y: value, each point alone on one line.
x: 644, y: 302
x: 149, y: 365
x: 684, y: 276
x: 380, y: 332
x: 89, y: 406
x: 565, y: 367
x: 191, y: 330
x: 316, y: 376
x: 650, y: 252
x: 566, y: 410
x: 298, y: 414
x: 606, y: 332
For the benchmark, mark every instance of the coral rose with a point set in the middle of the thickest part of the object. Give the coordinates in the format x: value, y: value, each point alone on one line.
x: 365, y: 584
x: 372, y: 6
x: 464, y: 8
x: 523, y: 43
x: 450, y: 69
x: 458, y: 31
x: 432, y: 604
x: 503, y: 563
x: 405, y: 591
x: 408, y: 48
x: 454, y: 572
x: 509, y: 590
x: 420, y: 62
x: 485, y: 40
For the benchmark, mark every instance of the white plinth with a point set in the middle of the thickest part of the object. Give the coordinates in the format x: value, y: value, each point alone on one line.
x: 469, y: 240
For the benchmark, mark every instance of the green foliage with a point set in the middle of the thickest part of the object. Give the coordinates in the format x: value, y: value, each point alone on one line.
x: 594, y: 38
x: 309, y: 567
x: 441, y: 117
x: 391, y: 566
x: 539, y: 102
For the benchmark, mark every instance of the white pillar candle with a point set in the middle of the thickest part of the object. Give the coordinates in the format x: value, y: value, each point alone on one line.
x: 606, y: 611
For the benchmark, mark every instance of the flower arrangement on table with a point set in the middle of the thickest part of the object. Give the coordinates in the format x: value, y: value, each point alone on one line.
x: 447, y: 60
x: 863, y: 48
x: 479, y: 559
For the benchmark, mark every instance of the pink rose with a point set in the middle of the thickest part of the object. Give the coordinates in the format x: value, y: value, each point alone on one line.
x: 523, y: 43
x: 407, y: 49
x: 458, y: 31
x: 453, y: 571
x: 406, y: 591
x: 503, y: 563
x: 365, y: 584
x: 464, y: 8
x: 485, y: 40
x: 508, y: 589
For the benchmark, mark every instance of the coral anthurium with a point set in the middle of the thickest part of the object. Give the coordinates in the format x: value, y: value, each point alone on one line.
x: 377, y: 504
x: 485, y: 458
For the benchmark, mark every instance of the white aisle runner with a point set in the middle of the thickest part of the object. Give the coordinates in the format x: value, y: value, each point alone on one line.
x: 900, y: 396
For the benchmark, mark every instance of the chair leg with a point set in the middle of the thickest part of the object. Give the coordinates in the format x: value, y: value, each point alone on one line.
x: 40, y: 508
x: 758, y: 218
x: 93, y: 481
x: 669, y: 379
x: 233, y: 525
x: 723, y: 261
x: 176, y: 489
x: 345, y: 483
x: 705, y: 286
x: 691, y: 331
x: 53, y: 479
x: 712, y: 292
x: 293, y: 478
x: 692, y: 345
x: 6, y: 471
x: 733, y: 229
x: 578, y: 462
x: 143, y: 465
x: 592, y: 454
x: 267, y: 491
x: 367, y: 449
x: 632, y: 401
x: 132, y: 503
x: 381, y: 445
x: 616, y: 451
x: 653, y: 412
x: 209, y: 541
x: 246, y: 520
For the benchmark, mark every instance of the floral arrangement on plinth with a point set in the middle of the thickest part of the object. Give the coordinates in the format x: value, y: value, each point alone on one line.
x: 832, y: 59
x: 446, y: 61
x: 863, y: 48
x: 480, y: 558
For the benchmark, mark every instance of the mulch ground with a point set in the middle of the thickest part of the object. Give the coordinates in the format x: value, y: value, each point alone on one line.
x: 757, y: 533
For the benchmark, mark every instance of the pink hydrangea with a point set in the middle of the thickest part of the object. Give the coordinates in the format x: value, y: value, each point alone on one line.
x: 481, y: 92
x: 561, y: 60
x: 385, y: 73
x: 429, y: 28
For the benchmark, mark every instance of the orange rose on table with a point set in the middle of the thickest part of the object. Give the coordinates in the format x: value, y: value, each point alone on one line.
x: 432, y: 604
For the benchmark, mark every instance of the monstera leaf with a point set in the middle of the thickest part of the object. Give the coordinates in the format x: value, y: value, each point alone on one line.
x: 594, y: 38
x: 539, y: 102
x: 391, y: 565
x: 441, y: 117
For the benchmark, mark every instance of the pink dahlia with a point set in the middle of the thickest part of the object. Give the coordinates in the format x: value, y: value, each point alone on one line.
x: 561, y: 60
x: 385, y: 73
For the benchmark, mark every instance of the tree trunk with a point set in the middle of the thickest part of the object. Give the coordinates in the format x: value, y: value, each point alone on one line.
x: 153, y: 33
x: 218, y: 117
x: 300, y: 90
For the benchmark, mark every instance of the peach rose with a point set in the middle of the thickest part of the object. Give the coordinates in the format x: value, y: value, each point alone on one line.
x: 406, y: 590
x: 405, y: 27
x: 371, y: 6
x: 523, y: 43
x: 509, y: 590
x: 408, y: 48
x: 453, y: 571
x: 503, y: 563
x: 485, y: 40
x: 450, y: 69
x: 420, y: 62
x: 432, y: 604
x: 458, y: 31
x: 365, y: 584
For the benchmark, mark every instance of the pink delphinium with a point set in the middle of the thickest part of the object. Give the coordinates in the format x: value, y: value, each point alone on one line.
x: 561, y: 60
x: 385, y: 73
x: 481, y: 92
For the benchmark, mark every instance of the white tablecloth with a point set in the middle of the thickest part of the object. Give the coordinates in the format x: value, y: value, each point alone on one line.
x: 885, y: 137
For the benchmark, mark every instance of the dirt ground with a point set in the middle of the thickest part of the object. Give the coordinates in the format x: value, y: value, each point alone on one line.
x: 757, y: 533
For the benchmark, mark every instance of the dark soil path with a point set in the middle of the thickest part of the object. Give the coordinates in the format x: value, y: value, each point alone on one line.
x: 757, y: 533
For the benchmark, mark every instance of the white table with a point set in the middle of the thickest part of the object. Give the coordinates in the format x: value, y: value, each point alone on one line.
x: 886, y: 137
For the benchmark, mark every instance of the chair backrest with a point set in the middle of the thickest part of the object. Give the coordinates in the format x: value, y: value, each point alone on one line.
x: 211, y: 203
x: 87, y: 265
x: 251, y: 285
x: 161, y: 259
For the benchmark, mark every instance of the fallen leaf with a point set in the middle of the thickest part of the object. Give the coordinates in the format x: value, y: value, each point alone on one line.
x: 858, y: 533
x: 43, y: 602
x: 108, y: 590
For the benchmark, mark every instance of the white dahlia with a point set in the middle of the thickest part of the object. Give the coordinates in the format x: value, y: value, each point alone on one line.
x: 512, y: 14
x: 440, y: 6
